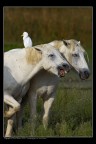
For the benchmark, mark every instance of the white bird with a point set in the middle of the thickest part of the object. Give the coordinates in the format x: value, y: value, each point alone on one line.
x: 26, y: 40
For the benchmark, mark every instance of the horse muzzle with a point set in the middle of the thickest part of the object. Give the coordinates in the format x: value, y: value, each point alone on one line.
x: 84, y: 74
x: 66, y: 68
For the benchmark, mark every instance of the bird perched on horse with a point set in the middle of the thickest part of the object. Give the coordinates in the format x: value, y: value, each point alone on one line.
x: 26, y: 40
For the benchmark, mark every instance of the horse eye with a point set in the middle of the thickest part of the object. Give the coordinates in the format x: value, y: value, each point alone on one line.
x: 75, y: 55
x: 68, y: 44
x: 51, y: 55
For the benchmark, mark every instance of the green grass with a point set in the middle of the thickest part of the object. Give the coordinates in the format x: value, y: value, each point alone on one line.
x: 70, y: 115
x: 12, y: 46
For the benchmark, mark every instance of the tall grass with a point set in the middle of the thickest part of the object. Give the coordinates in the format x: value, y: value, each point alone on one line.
x: 70, y: 115
x: 47, y: 24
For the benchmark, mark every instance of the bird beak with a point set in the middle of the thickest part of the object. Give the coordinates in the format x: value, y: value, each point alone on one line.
x: 22, y: 35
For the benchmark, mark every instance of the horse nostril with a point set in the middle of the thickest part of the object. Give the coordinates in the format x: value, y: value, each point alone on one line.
x: 60, y: 67
x: 86, y: 73
x: 66, y: 67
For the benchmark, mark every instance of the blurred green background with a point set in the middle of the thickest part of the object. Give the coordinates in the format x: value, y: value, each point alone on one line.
x: 47, y: 24
x: 71, y: 113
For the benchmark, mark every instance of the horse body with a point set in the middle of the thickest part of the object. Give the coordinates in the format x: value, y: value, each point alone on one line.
x: 14, y: 71
x: 19, y: 69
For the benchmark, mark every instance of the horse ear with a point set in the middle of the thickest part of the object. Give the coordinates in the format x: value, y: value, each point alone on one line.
x: 78, y: 42
x: 38, y: 49
x: 66, y: 43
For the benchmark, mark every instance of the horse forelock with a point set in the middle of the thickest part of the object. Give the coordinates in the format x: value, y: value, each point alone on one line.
x: 59, y: 43
x: 74, y: 47
x: 32, y: 55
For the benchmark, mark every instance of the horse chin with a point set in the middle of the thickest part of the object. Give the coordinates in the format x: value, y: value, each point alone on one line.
x: 82, y: 77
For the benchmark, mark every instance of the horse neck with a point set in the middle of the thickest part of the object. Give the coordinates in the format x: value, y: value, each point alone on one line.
x: 34, y: 71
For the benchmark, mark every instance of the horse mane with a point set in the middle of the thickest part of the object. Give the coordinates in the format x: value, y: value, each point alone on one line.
x: 87, y: 56
x: 33, y: 56
x: 57, y: 43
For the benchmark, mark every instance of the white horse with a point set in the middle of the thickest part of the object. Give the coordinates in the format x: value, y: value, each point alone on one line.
x: 20, y: 65
x: 46, y: 86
